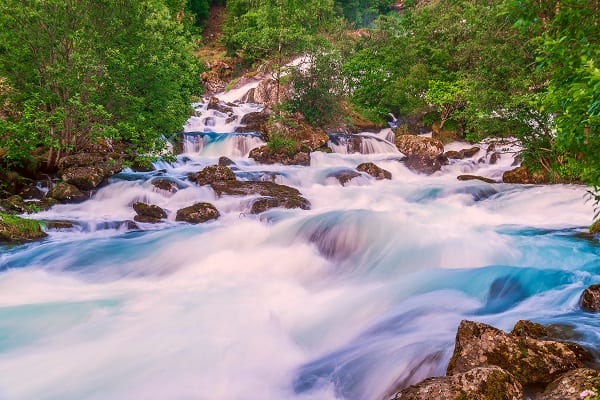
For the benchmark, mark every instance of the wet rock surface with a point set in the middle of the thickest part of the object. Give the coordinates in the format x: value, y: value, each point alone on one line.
x: 148, y: 213
x: 344, y: 176
x: 374, y: 170
x: 272, y: 194
x: 530, y: 360
x: 212, y: 173
x: 67, y: 193
x: 523, y: 175
x: 15, y: 230
x: 590, y: 299
x: 480, y: 383
x: 579, y: 384
x: 197, y: 213
x: 265, y: 155
x: 475, y: 177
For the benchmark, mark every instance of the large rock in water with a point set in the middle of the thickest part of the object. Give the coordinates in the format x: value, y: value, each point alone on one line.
x: 482, y: 383
x: 590, y: 299
x: 14, y: 229
x: 344, y: 176
x: 423, y: 154
x: 522, y: 175
x: 212, y: 173
x: 266, y: 155
x: 67, y: 193
x: 374, y: 170
x: 148, y: 213
x: 529, y: 360
x: 273, y: 194
x: 198, y: 213
x: 579, y: 384
x: 87, y: 171
x: 254, y: 122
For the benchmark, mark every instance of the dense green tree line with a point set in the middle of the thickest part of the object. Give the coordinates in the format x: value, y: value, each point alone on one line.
x: 77, y: 71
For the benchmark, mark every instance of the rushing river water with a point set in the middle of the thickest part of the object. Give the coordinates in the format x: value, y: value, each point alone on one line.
x: 349, y: 300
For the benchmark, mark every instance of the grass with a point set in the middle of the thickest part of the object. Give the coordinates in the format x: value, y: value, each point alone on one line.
x: 16, y: 229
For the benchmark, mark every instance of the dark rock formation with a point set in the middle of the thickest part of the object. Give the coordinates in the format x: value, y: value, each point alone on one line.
x: 481, y: 383
x: 453, y: 154
x: 273, y: 195
x: 590, y: 299
x: 529, y: 360
x: 165, y: 184
x: 198, y: 213
x: 423, y: 165
x: 215, y: 104
x: 468, y: 153
x: 254, y: 122
x: 87, y: 171
x: 212, y: 173
x: 475, y: 177
x: 344, y: 176
x: 530, y: 329
x: 67, y: 193
x: 494, y: 158
x: 522, y: 175
x: 149, y: 213
x: 266, y: 155
x: 225, y: 161
x: 375, y: 171
x: 579, y: 384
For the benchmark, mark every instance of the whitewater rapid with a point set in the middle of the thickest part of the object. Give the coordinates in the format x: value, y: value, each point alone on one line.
x: 352, y: 299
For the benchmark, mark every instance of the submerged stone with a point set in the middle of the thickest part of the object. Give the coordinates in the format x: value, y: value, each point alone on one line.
x: 344, y: 176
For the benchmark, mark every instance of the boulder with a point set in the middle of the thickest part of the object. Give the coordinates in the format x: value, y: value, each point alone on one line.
x: 149, y: 213
x: 525, y: 328
x: 254, y: 122
x: 67, y: 193
x: 468, y: 153
x: 481, y: 383
x: 453, y: 154
x: 84, y: 178
x: 529, y: 360
x: 225, y: 161
x: 579, y: 384
x: 272, y: 194
x: 423, y: 165
x: 266, y: 92
x: 215, y: 104
x: 165, y: 184
x: 344, y: 176
x: 421, y: 146
x: 475, y: 177
x: 494, y: 158
x: 423, y: 154
x: 212, y: 173
x: 265, y: 155
x: 590, y: 299
x: 522, y: 175
x: 14, y: 229
x: 375, y: 171
x: 198, y: 213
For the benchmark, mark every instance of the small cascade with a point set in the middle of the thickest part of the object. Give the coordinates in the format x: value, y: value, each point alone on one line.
x: 215, y: 115
x: 214, y: 144
x: 363, y: 143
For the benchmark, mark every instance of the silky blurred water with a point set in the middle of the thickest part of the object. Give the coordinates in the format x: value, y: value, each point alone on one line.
x: 352, y: 299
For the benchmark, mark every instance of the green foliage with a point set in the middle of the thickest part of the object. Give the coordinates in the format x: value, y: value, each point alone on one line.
x: 279, y: 142
x: 317, y: 88
x: 567, y: 41
x: 459, y: 58
x: 362, y: 12
x: 263, y: 28
x: 16, y: 229
x: 83, y: 69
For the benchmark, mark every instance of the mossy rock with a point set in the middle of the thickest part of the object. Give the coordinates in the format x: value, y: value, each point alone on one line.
x: 197, y: 213
x: 14, y: 229
x: 595, y: 228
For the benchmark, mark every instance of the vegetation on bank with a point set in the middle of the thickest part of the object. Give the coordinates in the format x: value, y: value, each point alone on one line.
x: 78, y: 73
x: 16, y: 229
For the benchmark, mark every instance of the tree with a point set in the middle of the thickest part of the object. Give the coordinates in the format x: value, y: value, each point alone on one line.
x: 81, y: 70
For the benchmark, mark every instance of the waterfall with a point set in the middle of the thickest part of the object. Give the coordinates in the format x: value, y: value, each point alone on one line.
x: 364, y: 143
x: 220, y: 144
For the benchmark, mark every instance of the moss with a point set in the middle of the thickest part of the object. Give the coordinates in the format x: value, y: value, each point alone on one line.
x: 14, y: 229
